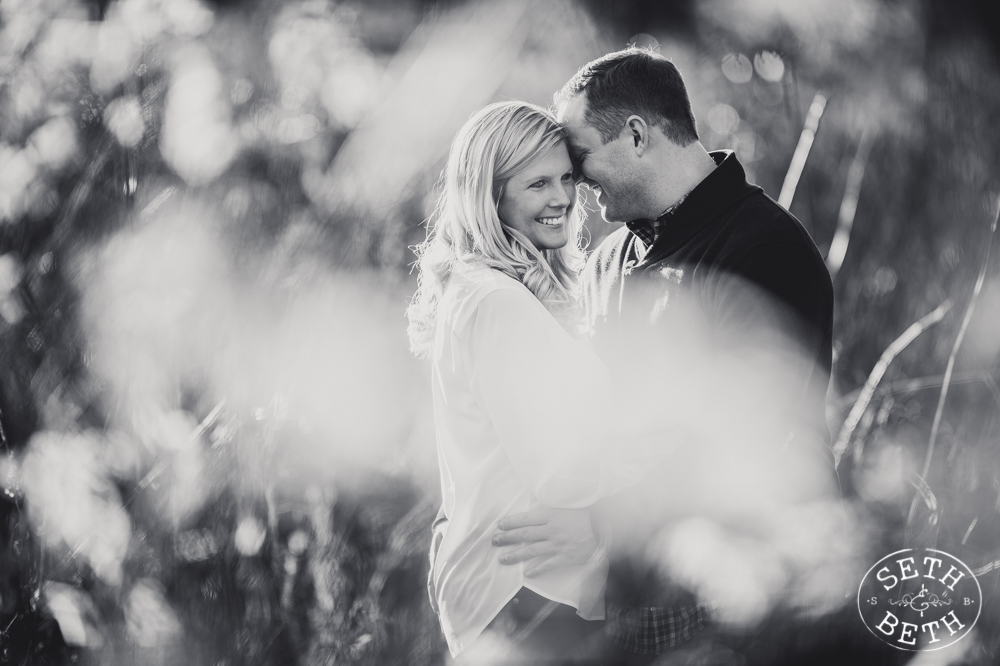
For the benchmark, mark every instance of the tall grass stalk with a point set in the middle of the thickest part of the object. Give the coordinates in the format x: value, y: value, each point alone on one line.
x: 913, y: 384
x: 801, y: 153
x: 935, y: 427
x: 898, y: 345
x: 849, y: 204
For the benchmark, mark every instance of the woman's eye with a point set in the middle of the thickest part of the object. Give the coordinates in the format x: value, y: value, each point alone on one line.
x: 538, y: 184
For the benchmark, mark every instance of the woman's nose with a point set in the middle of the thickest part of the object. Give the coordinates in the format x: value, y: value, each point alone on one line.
x: 561, y: 196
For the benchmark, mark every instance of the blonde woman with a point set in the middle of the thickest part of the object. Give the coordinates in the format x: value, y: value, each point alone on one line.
x: 496, y: 312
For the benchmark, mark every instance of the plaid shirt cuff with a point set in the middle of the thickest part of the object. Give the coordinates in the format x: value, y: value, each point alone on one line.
x: 656, y: 630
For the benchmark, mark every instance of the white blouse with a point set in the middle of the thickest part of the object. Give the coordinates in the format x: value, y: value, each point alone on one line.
x: 514, y: 409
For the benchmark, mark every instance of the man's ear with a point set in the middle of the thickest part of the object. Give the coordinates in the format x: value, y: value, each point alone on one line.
x: 638, y: 133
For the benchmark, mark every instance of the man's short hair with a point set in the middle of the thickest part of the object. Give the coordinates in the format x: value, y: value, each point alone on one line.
x: 634, y: 81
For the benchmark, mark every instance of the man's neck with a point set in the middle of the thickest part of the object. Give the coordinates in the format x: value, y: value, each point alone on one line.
x: 687, y: 166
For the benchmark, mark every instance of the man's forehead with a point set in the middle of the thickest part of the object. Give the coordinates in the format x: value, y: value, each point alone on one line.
x: 571, y: 111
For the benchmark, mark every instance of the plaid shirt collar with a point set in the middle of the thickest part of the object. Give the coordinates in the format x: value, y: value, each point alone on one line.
x: 649, y: 230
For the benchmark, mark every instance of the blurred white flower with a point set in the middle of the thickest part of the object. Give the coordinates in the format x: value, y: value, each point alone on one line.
x: 10, y: 276
x: 249, y: 536
x: 123, y: 117
x: 316, y: 58
x: 198, y: 141
x: 143, y: 18
x: 66, y: 490
x: 67, y: 42
x: 297, y: 128
x: 54, y: 144
x: 149, y: 619
x: 298, y: 542
x: 736, y: 573
x: 188, y: 18
x: 10, y: 273
x: 29, y: 95
x: 350, y: 90
x: 115, y: 53
x: 73, y: 609
x: 17, y: 171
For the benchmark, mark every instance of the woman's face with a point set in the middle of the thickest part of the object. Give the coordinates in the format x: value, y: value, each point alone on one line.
x: 538, y: 200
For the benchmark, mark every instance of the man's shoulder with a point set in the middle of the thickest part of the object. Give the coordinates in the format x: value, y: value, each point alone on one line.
x: 761, y: 221
x: 768, y: 247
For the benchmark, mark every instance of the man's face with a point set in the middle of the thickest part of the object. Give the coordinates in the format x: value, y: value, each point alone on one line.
x: 608, y: 169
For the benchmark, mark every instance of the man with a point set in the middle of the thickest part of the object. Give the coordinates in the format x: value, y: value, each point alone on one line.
x: 704, y: 260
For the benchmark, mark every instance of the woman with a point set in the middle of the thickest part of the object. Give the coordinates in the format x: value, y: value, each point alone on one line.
x: 497, y: 313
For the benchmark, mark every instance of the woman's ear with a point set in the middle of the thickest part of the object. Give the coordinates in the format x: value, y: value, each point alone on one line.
x: 638, y: 132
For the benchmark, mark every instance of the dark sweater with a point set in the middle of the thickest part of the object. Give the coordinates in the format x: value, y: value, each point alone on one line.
x: 754, y: 278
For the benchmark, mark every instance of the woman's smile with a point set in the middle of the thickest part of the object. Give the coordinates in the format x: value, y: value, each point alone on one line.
x: 552, y: 221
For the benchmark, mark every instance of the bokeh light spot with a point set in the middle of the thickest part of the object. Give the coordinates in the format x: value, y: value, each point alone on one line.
x: 722, y: 118
x: 737, y: 68
x: 769, y: 66
x: 123, y: 117
x: 249, y: 537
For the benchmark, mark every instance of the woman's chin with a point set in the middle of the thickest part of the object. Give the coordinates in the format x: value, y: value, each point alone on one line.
x: 554, y: 244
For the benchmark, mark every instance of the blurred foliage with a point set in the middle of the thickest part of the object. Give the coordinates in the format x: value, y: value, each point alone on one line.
x: 215, y: 447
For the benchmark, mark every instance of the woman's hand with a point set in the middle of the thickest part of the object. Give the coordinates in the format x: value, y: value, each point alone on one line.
x: 549, y: 538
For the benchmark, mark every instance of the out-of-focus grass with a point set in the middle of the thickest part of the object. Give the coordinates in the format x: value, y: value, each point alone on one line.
x: 215, y: 448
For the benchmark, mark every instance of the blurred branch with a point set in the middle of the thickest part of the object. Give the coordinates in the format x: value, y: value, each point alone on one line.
x: 986, y: 568
x: 82, y: 190
x: 954, y: 352
x: 849, y: 204
x: 914, y: 384
x: 898, y: 345
x: 801, y: 153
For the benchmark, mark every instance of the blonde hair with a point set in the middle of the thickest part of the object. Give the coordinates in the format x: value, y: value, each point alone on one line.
x: 497, y: 142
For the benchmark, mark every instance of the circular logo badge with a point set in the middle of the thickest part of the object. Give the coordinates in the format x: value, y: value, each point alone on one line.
x: 920, y: 599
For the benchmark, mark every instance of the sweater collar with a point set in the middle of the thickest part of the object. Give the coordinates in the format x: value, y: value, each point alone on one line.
x: 725, y: 186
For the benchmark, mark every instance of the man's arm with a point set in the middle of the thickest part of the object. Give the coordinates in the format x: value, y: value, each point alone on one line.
x: 552, y: 538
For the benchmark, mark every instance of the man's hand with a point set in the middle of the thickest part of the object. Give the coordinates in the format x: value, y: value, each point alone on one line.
x: 550, y: 538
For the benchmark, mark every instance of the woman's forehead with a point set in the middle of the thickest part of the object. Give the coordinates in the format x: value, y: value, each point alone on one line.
x: 550, y: 161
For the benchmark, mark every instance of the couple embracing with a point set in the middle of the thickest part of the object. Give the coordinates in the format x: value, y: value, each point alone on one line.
x: 575, y: 397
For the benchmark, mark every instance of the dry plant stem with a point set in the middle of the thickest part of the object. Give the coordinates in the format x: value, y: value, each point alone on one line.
x: 910, y: 385
x: 898, y: 345
x: 849, y: 204
x: 801, y: 153
x: 936, y: 425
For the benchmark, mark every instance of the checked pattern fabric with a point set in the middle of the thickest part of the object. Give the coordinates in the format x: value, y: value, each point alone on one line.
x: 655, y: 630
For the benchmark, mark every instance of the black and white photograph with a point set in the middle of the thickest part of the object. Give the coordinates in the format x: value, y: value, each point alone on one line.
x: 499, y: 332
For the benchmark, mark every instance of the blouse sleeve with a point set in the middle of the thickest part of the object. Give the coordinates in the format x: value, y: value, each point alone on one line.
x: 541, y: 389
